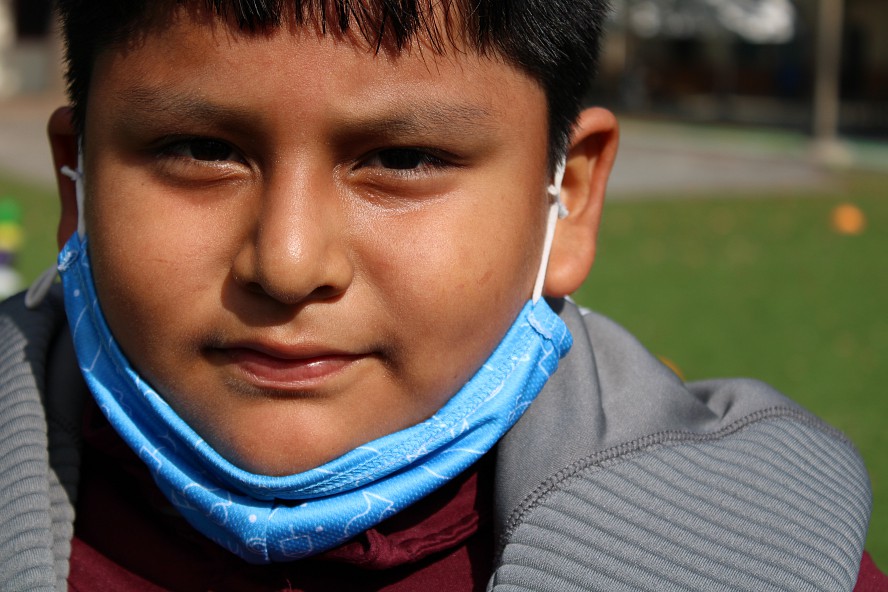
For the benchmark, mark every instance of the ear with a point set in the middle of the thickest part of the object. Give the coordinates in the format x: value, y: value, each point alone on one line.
x: 590, y: 159
x: 63, y: 142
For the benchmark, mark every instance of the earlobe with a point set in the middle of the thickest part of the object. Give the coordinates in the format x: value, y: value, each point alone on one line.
x: 591, y: 157
x: 63, y: 142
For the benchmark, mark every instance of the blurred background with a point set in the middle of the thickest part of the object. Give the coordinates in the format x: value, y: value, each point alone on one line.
x: 746, y: 231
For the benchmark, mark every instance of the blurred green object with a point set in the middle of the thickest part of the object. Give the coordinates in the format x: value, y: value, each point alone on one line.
x: 743, y: 284
x: 10, y: 211
x: 11, y: 240
x: 11, y: 234
x: 37, y: 210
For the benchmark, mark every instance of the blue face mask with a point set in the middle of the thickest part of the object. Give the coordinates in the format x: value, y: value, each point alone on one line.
x: 265, y: 519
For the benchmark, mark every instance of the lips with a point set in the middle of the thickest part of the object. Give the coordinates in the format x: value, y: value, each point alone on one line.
x: 283, y: 368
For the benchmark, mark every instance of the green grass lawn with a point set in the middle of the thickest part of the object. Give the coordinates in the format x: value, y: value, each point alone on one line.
x: 762, y: 286
x: 754, y: 286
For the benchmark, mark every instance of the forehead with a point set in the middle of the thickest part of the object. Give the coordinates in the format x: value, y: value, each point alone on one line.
x: 195, y: 61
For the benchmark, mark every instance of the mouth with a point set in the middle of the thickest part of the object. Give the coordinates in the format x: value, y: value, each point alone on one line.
x: 285, y: 369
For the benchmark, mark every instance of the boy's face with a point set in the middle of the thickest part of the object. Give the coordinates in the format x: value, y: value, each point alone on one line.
x: 304, y: 246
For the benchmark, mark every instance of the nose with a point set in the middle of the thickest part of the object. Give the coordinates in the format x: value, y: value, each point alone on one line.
x: 298, y: 250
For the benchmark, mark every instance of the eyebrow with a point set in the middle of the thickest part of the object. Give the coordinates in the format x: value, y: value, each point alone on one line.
x: 419, y: 119
x: 405, y: 117
x: 158, y: 101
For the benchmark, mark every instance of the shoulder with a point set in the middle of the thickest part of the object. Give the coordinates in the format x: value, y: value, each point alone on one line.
x: 37, y: 360
x: 40, y: 398
x: 21, y: 326
x: 27, y: 337
x: 630, y: 479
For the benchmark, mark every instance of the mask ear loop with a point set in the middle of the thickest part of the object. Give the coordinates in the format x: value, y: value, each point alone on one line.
x: 38, y: 290
x: 557, y: 211
x: 79, y: 191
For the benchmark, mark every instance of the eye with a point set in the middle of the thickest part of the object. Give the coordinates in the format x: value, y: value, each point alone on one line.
x: 203, y: 149
x: 198, y: 159
x: 404, y: 159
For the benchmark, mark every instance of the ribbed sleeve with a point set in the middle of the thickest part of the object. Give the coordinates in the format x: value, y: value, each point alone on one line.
x: 29, y: 494
x: 772, y: 504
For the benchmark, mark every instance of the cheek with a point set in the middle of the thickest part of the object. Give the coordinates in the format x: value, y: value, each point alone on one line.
x: 137, y: 271
x: 134, y: 300
x: 154, y: 241
x: 467, y: 247
x: 453, y: 282
x: 151, y: 265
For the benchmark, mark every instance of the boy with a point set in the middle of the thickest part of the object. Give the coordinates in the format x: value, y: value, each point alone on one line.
x: 302, y: 250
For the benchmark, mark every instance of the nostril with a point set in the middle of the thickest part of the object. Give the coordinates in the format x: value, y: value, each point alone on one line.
x: 326, y: 293
x: 254, y: 287
x: 282, y: 290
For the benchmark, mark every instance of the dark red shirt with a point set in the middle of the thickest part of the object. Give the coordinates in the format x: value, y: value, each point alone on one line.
x: 129, y: 537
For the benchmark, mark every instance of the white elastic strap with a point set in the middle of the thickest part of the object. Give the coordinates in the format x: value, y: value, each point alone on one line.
x: 39, y: 288
x: 556, y: 212
x: 79, y: 191
x: 555, y: 188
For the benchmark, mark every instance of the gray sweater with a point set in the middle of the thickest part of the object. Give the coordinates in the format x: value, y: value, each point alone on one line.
x: 618, y: 477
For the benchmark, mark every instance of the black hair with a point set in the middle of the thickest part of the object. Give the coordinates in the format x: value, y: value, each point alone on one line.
x: 554, y: 41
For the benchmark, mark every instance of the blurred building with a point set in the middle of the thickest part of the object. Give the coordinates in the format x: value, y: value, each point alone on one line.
x: 747, y: 61
x: 29, y: 51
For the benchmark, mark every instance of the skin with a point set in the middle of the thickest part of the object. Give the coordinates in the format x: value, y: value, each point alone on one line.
x: 304, y: 246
